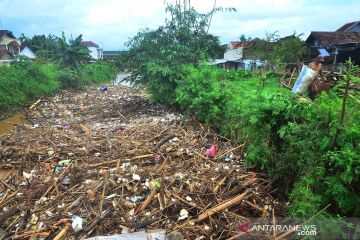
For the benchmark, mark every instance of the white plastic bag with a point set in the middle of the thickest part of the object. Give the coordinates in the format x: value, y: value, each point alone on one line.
x: 304, y: 80
x: 156, y: 235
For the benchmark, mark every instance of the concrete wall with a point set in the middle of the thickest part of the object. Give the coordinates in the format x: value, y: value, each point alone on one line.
x: 95, y: 53
x: 27, y: 53
x: 232, y: 54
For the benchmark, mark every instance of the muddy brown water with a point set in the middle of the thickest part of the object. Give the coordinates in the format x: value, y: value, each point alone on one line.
x: 9, y: 123
x: 6, y: 126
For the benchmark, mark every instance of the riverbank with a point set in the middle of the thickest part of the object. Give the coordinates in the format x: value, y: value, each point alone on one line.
x: 24, y: 82
x: 121, y: 163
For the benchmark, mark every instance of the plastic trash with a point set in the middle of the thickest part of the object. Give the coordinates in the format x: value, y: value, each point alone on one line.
x: 183, y: 214
x: 34, y: 219
x: 229, y: 158
x: 77, y: 223
x: 27, y: 175
x: 174, y: 235
x: 58, y: 169
x: 103, y: 88
x: 64, y: 162
x: 136, y: 198
x: 136, y: 177
x: 212, y: 151
x: 66, y: 180
x: 154, y: 235
x: 304, y: 80
x: 155, y: 183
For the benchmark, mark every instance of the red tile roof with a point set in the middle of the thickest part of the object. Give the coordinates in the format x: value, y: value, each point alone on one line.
x: 242, y: 44
x: 89, y: 44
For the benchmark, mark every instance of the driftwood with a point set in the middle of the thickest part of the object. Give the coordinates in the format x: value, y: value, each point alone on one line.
x: 221, y: 207
x: 121, y: 172
x: 63, y: 232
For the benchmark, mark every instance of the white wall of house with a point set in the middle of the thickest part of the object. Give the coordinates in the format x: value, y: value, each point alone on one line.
x: 231, y: 54
x: 28, y: 53
x: 96, y: 53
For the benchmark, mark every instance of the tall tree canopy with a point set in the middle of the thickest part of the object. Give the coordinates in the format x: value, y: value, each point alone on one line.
x: 155, y: 57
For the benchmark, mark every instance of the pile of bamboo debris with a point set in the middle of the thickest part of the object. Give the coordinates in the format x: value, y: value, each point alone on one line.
x: 102, y: 163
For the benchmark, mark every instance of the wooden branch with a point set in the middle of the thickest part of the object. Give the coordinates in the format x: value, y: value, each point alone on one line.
x: 163, y: 141
x: 121, y: 160
x: 227, y: 152
x: 222, y: 206
x: 146, y: 202
x: 63, y: 232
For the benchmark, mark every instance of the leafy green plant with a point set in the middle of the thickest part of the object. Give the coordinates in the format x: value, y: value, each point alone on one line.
x: 288, y: 137
x: 155, y: 57
x: 23, y: 82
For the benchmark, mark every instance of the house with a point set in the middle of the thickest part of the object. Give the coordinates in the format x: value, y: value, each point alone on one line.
x: 111, y: 55
x: 27, y: 52
x: 350, y: 27
x: 336, y: 47
x: 9, y: 46
x: 237, y: 56
x: 95, y: 51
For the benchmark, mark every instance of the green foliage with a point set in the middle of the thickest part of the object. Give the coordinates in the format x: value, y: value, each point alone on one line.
x: 302, y: 145
x: 45, y: 47
x: 155, y: 57
x: 98, y: 72
x: 71, y: 54
x: 201, y: 92
x: 278, y: 51
x: 24, y: 82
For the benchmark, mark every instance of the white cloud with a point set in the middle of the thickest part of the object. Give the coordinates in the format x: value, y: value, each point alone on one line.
x: 111, y: 22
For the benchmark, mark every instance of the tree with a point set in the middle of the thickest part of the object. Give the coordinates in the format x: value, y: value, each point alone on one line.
x: 155, y: 57
x: 44, y: 47
x: 71, y: 54
x: 279, y: 51
x: 243, y: 38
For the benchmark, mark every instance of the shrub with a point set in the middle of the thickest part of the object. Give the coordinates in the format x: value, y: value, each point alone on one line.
x: 98, y: 72
x: 25, y: 81
x: 298, y: 143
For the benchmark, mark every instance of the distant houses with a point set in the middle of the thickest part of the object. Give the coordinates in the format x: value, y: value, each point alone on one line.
x: 9, y: 46
x: 96, y: 52
x: 111, y: 55
x: 27, y: 52
x: 237, y: 56
x: 337, y: 46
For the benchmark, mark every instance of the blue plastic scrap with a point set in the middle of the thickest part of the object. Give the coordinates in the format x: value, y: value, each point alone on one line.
x: 323, y: 52
x: 103, y: 88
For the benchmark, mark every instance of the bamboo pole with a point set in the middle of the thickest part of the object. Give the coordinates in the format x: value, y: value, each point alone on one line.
x: 63, y: 232
x: 221, y: 207
x: 146, y: 202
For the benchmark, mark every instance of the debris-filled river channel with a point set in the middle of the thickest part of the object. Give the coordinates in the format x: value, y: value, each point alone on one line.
x: 104, y: 163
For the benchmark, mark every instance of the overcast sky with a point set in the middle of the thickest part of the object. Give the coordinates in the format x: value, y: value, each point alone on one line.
x: 110, y: 23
